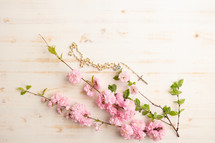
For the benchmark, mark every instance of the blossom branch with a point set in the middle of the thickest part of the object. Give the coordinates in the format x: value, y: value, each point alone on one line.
x: 94, y: 119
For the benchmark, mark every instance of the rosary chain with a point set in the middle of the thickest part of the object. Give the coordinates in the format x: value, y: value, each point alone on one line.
x: 100, y: 67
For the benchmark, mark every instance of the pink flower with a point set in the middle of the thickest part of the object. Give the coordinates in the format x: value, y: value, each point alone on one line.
x: 80, y: 114
x: 138, y: 127
x: 49, y: 104
x: 119, y: 99
x: 126, y: 131
x: 124, y: 76
x: 116, y: 121
x: 109, y: 97
x: 43, y: 99
x: 96, y: 83
x: 155, y: 130
x: 111, y: 109
x: 89, y: 90
x: 133, y: 89
x: 97, y: 126
x: 64, y: 101
x: 59, y: 111
x: 100, y: 101
x: 56, y: 98
x: 129, y: 105
x: 74, y: 76
x: 128, y: 115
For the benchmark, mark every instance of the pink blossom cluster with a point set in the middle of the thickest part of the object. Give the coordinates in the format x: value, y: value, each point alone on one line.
x: 74, y: 76
x: 61, y: 102
x: 89, y: 88
x: 78, y: 112
x: 138, y: 130
x: 125, y: 77
x: 155, y: 130
x: 120, y: 110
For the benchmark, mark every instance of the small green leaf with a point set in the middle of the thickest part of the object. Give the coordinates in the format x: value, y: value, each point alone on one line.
x: 138, y: 108
x: 145, y: 107
x: 174, y: 85
x: 155, y: 115
x: 44, y: 91
x: 129, y: 83
x: 174, y: 91
x: 180, y: 111
x: 145, y: 112
x: 173, y: 113
x: 116, y: 77
x: 137, y: 101
x: 28, y: 87
x: 126, y: 93
x: 23, y: 92
x: 181, y: 101
x: 20, y: 88
x: 61, y: 56
x: 52, y: 50
x: 159, y: 117
x: 120, y: 71
x: 149, y: 115
x: 112, y: 87
x: 180, y: 82
x: 167, y: 109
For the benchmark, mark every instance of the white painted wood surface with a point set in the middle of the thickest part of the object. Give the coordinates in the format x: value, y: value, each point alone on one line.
x: 163, y: 40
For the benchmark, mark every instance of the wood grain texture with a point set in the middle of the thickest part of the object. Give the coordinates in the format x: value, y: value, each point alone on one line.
x: 163, y: 40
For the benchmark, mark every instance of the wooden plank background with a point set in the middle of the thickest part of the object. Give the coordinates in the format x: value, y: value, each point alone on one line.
x: 163, y: 40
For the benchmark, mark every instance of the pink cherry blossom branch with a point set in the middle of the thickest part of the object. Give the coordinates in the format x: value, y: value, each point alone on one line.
x: 96, y: 120
x: 166, y: 116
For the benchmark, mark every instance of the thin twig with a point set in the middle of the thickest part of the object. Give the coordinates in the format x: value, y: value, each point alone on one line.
x: 178, y: 114
x: 96, y: 120
x: 166, y: 116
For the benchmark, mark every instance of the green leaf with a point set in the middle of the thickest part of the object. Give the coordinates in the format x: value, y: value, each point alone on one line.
x: 167, y: 109
x: 126, y: 93
x: 20, y: 88
x: 61, y: 56
x: 137, y: 101
x: 145, y: 112
x: 120, y: 71
x: 44, y: 91
x: 129, y: 83
x: 138, y: 108
x: 174, y: 91
x: 173, y: 113
x: 149, y: 115
x: 181, y: 101
x: 145, y: 107
x: 52, y: 50
x: 116, y: 77
x: 174, y: 85
x: 180, y: 111
x: 112, y: 87
x: 155, y: 115
x: 28, y: 87
x: 180, y: 82
x: 23, y: 92
x: 159, y: 117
